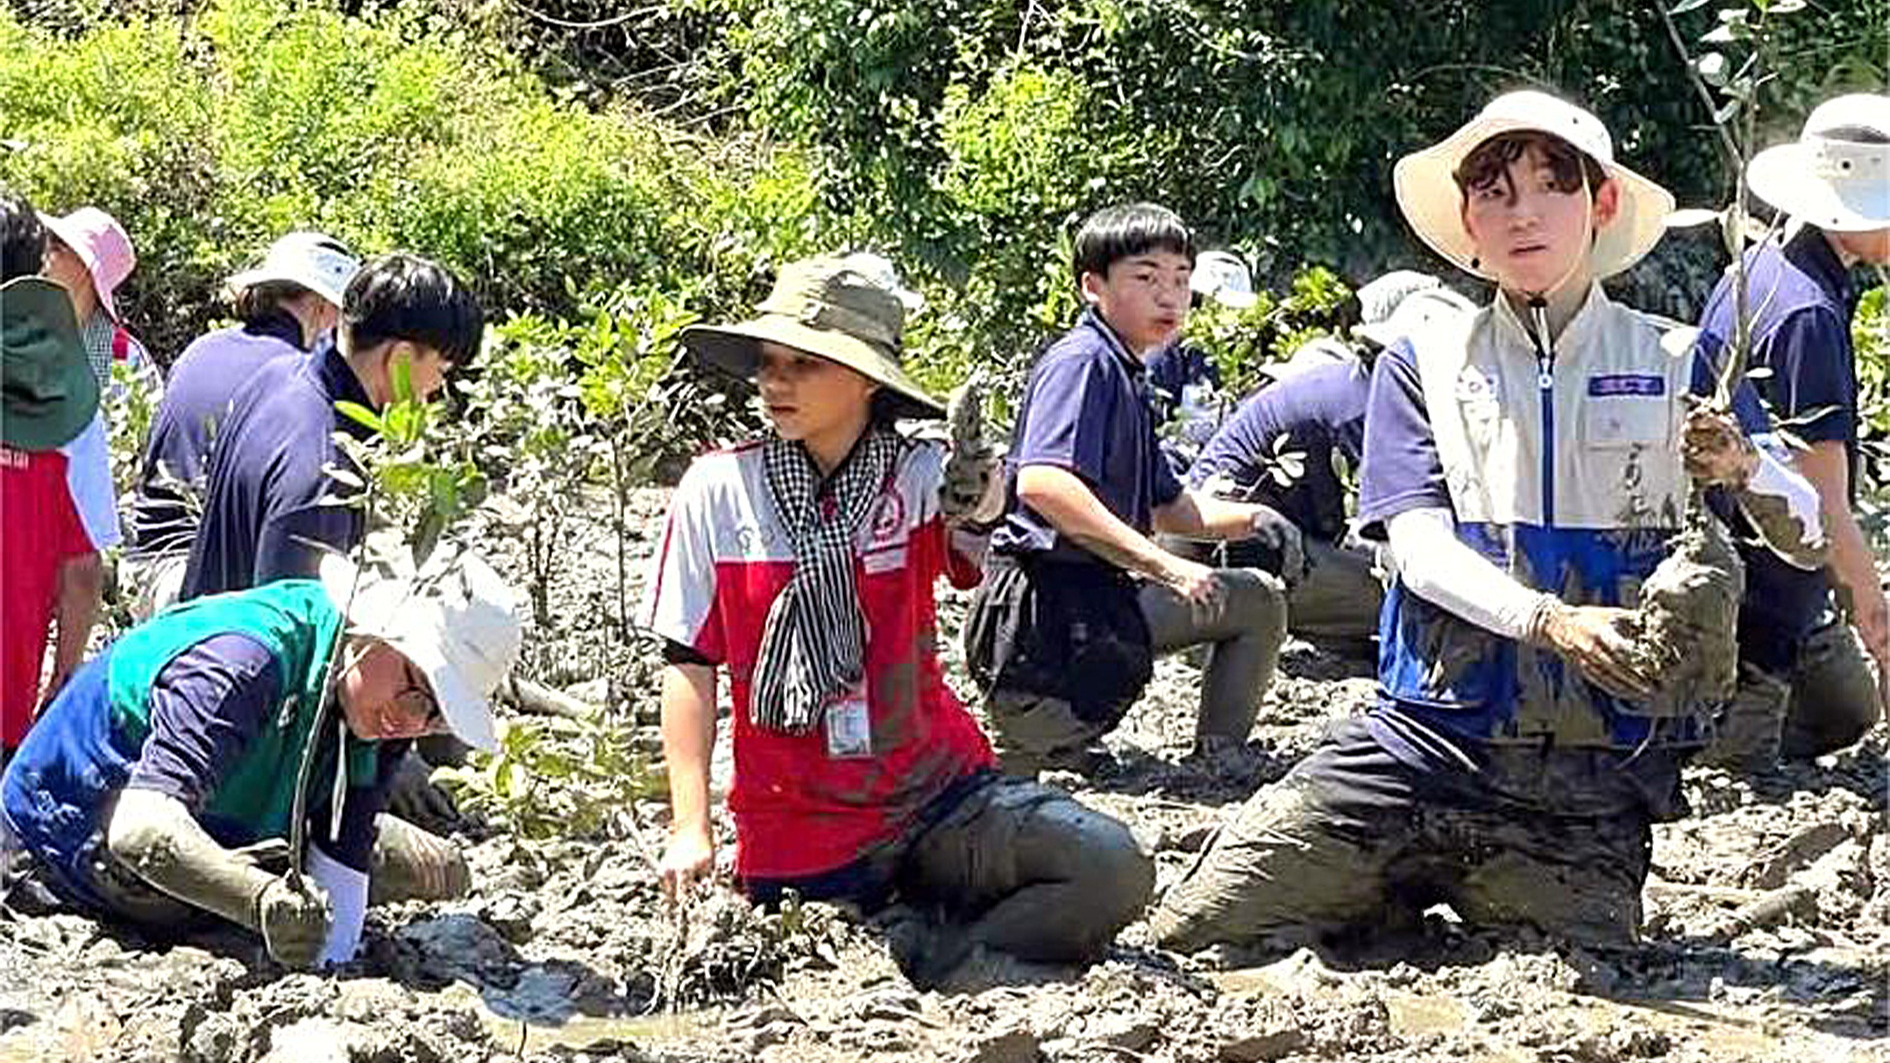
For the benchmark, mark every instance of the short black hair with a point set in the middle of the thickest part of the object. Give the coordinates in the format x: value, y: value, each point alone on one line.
x: 406, y: 297
x: 1115, y: 233
x: 22, y: 237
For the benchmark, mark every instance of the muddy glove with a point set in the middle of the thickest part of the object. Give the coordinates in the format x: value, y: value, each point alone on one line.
x: 1281, y: 539
x: 413, y: 797
x: 412, y: 863
x: 293, y: 919
x: 973, y: 491
x: 1591, y: 637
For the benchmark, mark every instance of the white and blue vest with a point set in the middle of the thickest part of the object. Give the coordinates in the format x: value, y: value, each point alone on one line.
x: 1565, y: 471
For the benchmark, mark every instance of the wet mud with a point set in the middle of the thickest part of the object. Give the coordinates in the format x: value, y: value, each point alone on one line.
x: 1767, y: 936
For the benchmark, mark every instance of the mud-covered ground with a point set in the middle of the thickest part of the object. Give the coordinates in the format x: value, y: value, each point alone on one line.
x: 1768, y: 932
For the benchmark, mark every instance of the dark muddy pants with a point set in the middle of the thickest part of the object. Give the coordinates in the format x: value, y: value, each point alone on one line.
x: 1825, y: 703
x: 1008, y: 864
x: 1242, y: 633
x: 1340, y: 597
x: 408, y: 863
x: 1354, y: 838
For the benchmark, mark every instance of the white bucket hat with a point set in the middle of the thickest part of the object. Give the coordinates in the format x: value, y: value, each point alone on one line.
x: 1417, y: 312
x: 1837, y: 174
x: 1224, y: 278
x: 457, y: 621
x: 316, y: 261
x: 1428, y: 195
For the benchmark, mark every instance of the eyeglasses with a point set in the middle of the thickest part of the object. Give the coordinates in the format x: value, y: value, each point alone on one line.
x: 416, y: 700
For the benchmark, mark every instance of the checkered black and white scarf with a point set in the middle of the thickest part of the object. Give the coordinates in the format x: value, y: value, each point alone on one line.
x: 814, y: 645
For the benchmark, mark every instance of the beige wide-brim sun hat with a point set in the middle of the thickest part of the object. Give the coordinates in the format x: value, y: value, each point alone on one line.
x: 829, y: 307
x: 1833, y: 176
x: 1428, y: 195
x: 457, y: 620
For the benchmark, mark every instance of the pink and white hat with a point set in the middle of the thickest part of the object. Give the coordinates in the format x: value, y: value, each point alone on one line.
x: 102, y: 244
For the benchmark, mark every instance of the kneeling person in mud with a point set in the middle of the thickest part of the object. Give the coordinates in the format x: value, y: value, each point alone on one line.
x: 803, y: 565
x: 1078, y: 598
x: 159, y: 787
x: 1531, y: 466
x: 1317, y: 412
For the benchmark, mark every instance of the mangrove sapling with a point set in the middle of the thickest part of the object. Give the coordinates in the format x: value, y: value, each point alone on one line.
x: 1684, y: 630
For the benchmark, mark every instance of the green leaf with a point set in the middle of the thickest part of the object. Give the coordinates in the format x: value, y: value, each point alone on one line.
x: 401, y: 371
x: 362, y: 416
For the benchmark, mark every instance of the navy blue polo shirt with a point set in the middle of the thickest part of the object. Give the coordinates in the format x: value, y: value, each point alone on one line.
x: 209, y: 703
x: 1315, y: 414
x: 1086, y: 409
x: 269, y: 481
x: 1171, y: 372
x: 1802, y: 300
x: 197, y: 396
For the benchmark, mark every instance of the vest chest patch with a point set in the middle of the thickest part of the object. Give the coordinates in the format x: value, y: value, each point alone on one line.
x: 1608, y: 385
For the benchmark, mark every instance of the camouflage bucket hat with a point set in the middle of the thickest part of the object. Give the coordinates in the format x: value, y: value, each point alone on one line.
x: 828, y: 308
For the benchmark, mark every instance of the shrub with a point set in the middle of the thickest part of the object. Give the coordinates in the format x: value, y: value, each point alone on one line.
x: 388, y: 130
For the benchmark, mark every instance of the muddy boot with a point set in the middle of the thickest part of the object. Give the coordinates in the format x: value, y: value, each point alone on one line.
x: 922, y: 944
x: 411, y: 864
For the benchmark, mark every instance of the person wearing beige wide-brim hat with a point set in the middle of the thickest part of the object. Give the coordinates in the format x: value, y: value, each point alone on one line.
x: 803, y: 566
x: 1806, y: 686
x: 1530, y: 465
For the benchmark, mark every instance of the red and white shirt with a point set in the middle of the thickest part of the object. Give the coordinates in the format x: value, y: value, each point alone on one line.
x: 54, y: 505
x: 724, y: 559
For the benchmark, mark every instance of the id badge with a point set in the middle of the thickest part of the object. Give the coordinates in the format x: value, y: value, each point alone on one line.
x: 849, y: 726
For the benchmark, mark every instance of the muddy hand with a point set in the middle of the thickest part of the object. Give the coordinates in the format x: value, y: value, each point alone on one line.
x: 1716, y: 450
x: 1193, y: 581
x: 1591, y: 638
x: 972, y: 465
x: 294, y: 919
x: 1282, y: 538
x: 687, y: 859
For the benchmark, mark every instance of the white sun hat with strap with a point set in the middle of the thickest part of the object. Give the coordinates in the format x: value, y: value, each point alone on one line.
x: 457, y: 620
x: 1836, y: 175
x: 1428, y: 195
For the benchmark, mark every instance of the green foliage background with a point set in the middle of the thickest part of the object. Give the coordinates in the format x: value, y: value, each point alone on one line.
x: 677, y: 151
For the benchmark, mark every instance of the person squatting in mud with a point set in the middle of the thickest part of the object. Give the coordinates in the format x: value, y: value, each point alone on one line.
x: 1516, y: 754
x: 284, y: 304
x: 1077, y: 598
x: 1314, y: 409
x: 159, y: 787
x: 1805, y: 688
x: 802, y: 566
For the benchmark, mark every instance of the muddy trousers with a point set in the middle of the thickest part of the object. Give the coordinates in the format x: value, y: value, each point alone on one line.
x: 407, y: 863
x: 1354, y: 839
x: 1009, y: 865
x: 1826, y: 702
x: 1241, y: 633
x: 1338, y: 599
